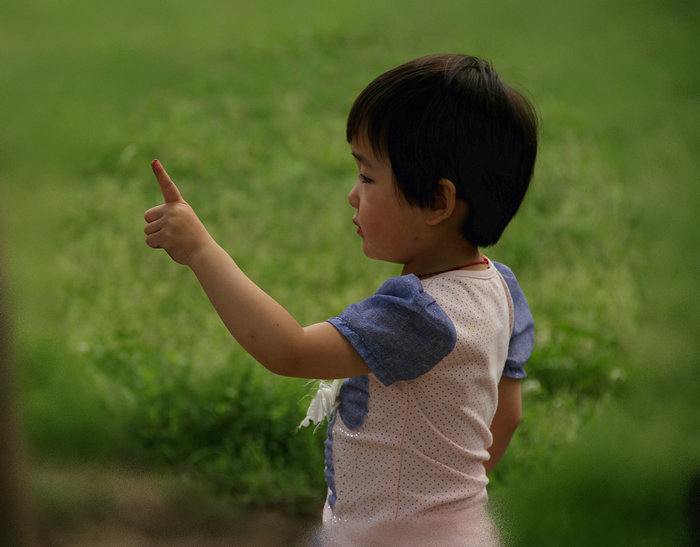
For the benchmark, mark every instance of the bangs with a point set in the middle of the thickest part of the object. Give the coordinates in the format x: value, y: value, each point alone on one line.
x: 368, y: 119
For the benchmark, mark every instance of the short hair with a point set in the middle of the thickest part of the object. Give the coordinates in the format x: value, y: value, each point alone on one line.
x: 450, y: 116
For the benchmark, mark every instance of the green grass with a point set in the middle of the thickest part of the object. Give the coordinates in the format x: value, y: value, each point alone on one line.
x: 120, y: 353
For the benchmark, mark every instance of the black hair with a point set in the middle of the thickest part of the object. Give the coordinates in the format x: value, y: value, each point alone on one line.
x: 450, y: 116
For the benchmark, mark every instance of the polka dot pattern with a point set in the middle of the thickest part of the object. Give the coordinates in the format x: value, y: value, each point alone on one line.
x: 421, y: 448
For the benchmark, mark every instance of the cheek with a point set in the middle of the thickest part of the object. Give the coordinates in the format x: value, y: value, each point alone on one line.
x: 375, y: 218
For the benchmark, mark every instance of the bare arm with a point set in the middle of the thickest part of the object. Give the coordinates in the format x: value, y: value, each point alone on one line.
x: 506, y: 420
x: 263, y: 327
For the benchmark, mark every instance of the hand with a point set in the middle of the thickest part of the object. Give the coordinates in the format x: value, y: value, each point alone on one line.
x: 174, y: 226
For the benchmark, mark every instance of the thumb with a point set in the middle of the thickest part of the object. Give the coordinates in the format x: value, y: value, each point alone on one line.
x: 167, y: 186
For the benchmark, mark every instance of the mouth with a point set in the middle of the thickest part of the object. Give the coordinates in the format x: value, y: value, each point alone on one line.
x: 356, y: 223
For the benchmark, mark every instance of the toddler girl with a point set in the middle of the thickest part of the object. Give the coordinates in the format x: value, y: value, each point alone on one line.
x: 445, y: 153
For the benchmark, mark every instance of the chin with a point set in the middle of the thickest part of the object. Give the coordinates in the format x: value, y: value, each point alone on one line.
x: 370, y: 253
x: 374, y: 255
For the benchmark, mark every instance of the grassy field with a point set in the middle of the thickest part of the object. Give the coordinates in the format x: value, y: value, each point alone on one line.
x: 121, y: 357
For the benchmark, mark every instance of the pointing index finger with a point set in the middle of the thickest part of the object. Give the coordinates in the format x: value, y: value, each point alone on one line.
x: 167, y: 186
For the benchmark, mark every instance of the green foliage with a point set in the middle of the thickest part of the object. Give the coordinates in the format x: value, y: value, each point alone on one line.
x: 240, y: 433
x: 195, y: 398
x: 121, y: 355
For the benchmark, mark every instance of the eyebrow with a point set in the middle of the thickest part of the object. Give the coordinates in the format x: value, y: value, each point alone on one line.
x: 361, y: 159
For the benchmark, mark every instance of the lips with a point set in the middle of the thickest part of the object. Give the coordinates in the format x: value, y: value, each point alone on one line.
x: 356, y: 223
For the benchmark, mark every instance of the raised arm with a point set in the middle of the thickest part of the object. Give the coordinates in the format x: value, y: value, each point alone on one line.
x: 263, y: 327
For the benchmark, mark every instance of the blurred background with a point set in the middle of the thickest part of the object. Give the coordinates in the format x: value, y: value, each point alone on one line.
x: 140, y: 422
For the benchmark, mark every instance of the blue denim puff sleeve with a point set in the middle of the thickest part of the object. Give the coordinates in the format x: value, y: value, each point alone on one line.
x: 400, y: 331
x: 522, y: 338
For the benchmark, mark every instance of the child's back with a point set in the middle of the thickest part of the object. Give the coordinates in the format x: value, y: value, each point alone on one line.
x: 410, y: 454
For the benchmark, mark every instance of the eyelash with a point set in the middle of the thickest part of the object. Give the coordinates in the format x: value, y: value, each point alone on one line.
x: 364, y: 179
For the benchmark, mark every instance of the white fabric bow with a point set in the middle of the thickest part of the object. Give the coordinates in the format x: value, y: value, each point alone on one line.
x: 323, y: 404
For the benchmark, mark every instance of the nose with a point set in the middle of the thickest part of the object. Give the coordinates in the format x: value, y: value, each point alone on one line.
x: 353, y: 196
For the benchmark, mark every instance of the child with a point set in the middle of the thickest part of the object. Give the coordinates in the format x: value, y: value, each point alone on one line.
x: 445, y: 153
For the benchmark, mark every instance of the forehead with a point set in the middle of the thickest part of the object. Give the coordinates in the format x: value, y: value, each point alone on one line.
x: 365, y: 154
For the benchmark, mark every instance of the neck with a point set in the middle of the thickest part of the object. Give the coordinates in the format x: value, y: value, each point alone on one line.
x: 480, y: 264
x: 442, y: 246
x: 465, y: 255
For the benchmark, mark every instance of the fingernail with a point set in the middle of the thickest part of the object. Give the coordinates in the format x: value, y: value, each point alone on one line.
x: 154, y: 163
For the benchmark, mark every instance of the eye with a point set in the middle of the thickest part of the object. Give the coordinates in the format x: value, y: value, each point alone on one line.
x: 364, y: 179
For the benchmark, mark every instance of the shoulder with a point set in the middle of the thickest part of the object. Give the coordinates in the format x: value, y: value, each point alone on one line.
x: 522, y: 341
x: 401, y: 332
x: 509, y: 277
x: 407, y: 286
x: 466, y: 287
x: 520, y: 305
x: 397, y: 297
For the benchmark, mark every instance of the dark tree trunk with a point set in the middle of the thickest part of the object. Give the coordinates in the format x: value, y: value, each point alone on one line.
x: 16, y: 523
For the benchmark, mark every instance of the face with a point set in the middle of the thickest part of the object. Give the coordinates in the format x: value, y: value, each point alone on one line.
x: 391, y: 229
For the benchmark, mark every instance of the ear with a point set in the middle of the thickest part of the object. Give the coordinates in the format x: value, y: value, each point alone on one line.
x: 445, y: 203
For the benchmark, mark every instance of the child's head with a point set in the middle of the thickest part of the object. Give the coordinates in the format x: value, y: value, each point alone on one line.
x: 451, y: 117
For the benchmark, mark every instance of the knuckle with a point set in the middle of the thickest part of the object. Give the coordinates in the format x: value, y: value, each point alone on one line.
x: 152, y: 240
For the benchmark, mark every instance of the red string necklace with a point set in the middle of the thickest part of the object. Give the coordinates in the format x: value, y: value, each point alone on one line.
x: 483, y: 261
